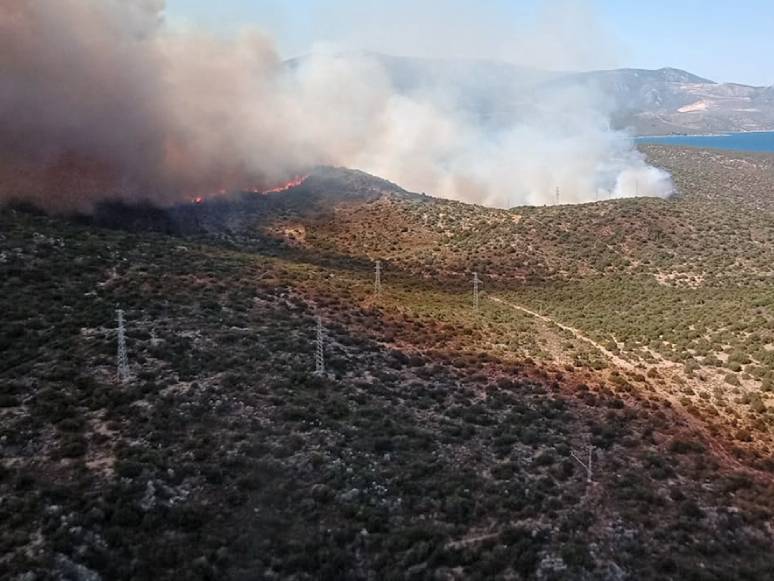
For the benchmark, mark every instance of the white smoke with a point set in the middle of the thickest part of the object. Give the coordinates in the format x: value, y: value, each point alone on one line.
x: 98, y: 98
x: 425, y: 141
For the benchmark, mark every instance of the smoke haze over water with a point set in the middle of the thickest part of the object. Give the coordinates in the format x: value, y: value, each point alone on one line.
x: 99, y: 98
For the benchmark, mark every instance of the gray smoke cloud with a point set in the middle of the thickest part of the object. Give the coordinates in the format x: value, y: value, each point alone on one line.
x: 101, y: 99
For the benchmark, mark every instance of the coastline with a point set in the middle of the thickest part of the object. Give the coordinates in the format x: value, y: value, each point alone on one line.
x: 750, y: 142
x: 724, y: 134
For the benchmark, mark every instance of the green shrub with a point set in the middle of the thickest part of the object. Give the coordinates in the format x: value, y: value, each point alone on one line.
x: 683, y: 446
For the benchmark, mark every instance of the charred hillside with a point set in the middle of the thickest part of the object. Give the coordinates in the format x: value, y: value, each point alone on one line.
x: 311, y: 196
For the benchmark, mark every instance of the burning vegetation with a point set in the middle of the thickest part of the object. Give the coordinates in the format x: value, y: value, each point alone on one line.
x: 282, y: 187
x: 187, y: 112
x: 288, y: 185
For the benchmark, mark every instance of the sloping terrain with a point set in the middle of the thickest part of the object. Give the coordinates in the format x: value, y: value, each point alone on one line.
x: 679, y: 287
x: 439, y: 443
x: 670, y: 101
x: 651, y: 102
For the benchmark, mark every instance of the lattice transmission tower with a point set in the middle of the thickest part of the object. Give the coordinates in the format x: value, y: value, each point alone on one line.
x: 586, y: 465
x: 378, y: 278
x: 476, y: 292
x: 319, y: 355
x: 122, y: 360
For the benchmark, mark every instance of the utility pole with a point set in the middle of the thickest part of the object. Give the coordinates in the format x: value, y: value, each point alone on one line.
x: 476, y: 291
x: 378, y: 278
x: 585, y: 465
x: 122, y: 358
x: 557, y: 195
x: 637, y: 188
x: 319, y: 357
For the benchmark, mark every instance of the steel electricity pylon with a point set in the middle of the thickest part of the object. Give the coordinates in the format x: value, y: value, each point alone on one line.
x: 587, y: 464
x: 122, y: 360
x: 378, y: 278
x: 319, y: 356
x: 476, y: 292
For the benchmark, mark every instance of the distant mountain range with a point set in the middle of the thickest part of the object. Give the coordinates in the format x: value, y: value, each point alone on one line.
x: 650, y: 102
x: 669, y: 101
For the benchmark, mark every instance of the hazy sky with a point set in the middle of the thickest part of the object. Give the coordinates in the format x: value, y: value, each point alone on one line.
x: 718, y: 39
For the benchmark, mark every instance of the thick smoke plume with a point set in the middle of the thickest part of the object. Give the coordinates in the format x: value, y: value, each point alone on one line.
x: 99, y: 99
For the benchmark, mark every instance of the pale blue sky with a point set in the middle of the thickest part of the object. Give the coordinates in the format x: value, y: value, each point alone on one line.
x: 719, y: 39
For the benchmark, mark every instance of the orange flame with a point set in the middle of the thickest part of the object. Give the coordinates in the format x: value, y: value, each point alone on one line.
x: 289, y: 185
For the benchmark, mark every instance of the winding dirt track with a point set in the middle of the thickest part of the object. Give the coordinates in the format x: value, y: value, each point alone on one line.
x: 576, y: 332
x: 698, y: 425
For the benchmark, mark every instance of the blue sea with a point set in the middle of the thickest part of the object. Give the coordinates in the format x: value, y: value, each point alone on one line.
x: 761, y: 142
